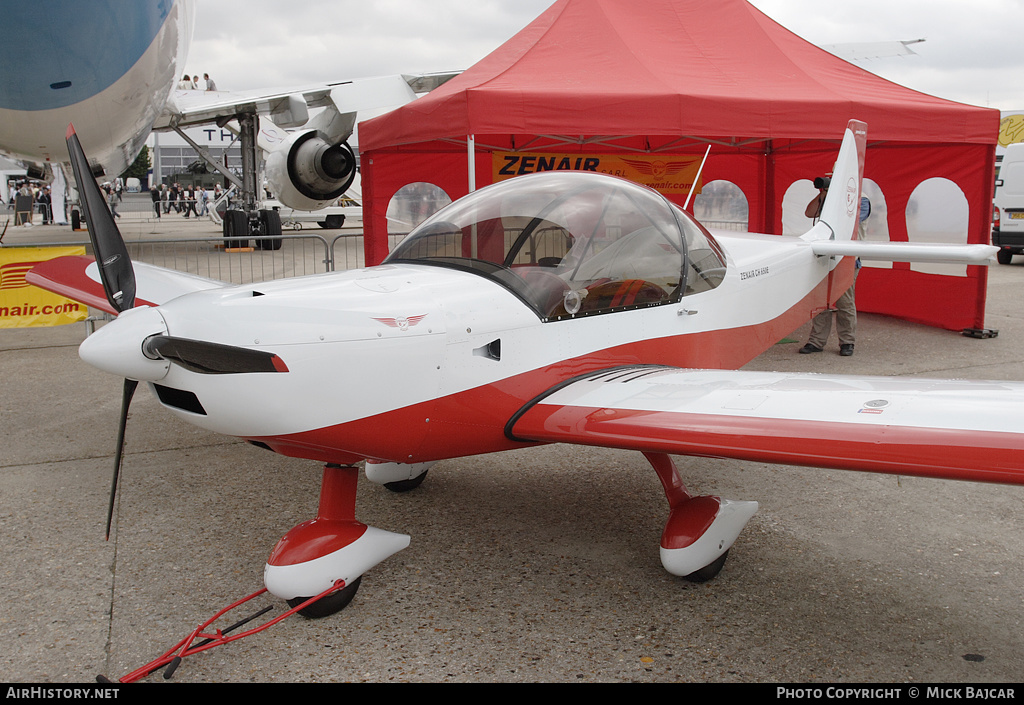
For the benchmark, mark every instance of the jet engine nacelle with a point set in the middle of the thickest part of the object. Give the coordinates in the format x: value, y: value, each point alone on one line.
x: 308, y: 172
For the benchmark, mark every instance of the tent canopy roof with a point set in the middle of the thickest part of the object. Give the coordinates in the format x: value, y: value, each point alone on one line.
x: 719, y: 70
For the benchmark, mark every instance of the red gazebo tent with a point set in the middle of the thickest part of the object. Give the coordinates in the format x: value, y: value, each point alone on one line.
x: 669, y: 77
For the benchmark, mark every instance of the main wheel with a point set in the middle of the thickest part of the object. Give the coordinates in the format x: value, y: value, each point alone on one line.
x: 236, y: 224
x: 332, y: 222
x: 328, y: 604
x: 1004, y: 256
x: 406, y: 485
x: 709, y: 571
x: 271, y: 221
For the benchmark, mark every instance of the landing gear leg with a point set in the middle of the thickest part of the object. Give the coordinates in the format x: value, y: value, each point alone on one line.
x: 318, y: 553
x: 699, y: 530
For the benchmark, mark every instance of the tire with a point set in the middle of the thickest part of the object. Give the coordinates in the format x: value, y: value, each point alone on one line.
x: 332, y: 222
x: 407, y: 485
x: 271, y: 221
x: 1004, y: 256
x: 329, y: 604
x: 709, y: 571
x: 236, y: 224
x: 76, y: 219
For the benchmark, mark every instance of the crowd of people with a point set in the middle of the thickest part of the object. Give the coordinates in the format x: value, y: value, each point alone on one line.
x: 183, y: 200
x: 38, y: 195
x: 186, y: 200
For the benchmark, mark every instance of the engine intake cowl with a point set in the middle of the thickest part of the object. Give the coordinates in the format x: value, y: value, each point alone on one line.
x: 308, y: 172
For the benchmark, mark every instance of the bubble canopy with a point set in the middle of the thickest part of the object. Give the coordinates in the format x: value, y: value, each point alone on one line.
x: 571, y: 244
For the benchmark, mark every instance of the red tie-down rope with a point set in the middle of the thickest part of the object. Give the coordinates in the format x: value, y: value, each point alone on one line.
x: 173, y: 657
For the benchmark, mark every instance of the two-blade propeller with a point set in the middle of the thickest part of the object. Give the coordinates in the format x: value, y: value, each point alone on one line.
x: 118, y: 278
x: 116, y: 274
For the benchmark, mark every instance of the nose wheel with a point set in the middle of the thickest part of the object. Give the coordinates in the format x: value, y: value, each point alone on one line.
x: 329, y: 604
x: 333, y: 547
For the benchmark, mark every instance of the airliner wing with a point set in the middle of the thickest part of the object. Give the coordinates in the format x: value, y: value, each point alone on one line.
x: 77, y: 278
x: 950, y: 429
x: 289, y: 107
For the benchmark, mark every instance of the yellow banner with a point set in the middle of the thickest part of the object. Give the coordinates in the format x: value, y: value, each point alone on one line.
x: 25, y: 306
x: 664, y: 173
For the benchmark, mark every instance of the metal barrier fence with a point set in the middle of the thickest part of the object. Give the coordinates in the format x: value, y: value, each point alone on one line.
x: 235, y: 261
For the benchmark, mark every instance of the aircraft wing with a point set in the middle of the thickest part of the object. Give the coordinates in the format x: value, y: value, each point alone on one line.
x: 950, y: 429
x: 77, y: 278
x: 290, y: 107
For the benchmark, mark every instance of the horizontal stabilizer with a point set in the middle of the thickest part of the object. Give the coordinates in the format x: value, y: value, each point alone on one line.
x: 906, y: 251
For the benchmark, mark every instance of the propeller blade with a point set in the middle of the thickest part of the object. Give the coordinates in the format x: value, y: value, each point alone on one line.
x: 115, y: 265
x: 126, y: 400
x: 211, y: 358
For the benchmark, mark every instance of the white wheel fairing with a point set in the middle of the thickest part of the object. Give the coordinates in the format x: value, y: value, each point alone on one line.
x: 385, y: 472
x: 313, y: 577
x: 719, y: 537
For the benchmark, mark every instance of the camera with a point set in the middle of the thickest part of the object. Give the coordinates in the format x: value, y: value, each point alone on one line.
x: 822, y: 182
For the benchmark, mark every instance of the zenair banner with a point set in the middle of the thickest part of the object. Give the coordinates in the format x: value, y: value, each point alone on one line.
x: 25, y: 306
x: 669, y: 174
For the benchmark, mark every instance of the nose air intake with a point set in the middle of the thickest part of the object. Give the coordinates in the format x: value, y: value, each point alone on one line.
x: 211, y: 358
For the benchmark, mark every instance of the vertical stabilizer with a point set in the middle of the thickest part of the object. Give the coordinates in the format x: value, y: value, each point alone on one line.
x: 842, y: 204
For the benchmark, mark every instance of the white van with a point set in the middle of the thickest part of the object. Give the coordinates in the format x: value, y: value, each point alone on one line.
x: 1008, y: 230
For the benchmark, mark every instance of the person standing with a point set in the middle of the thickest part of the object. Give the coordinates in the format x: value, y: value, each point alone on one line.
x: 846, y: 306
x: 111, y: 200
x: 210, y: 85
x: 44, y: 204
x: 190, y: 201
x: 154, y: 193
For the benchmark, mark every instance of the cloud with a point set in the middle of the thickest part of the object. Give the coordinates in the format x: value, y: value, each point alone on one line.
x: 968, y: 54
x: 274, y: 43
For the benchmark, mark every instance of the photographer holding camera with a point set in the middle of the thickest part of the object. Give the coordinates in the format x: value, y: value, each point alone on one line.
x: 846, y: 308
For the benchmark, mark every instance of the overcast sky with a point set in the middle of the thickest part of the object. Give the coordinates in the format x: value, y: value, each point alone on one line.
x: 971, y: 53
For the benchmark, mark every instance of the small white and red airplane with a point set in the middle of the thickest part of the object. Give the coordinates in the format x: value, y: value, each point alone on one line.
x: 558, y: 307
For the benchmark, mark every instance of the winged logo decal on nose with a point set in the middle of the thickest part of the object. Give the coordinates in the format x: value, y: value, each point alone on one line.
x: 401, y: 322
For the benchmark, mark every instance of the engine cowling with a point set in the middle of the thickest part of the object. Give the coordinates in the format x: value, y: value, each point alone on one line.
x: 308, y: 172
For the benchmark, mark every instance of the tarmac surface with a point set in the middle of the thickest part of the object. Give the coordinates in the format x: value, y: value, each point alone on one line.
x: 528, y: 566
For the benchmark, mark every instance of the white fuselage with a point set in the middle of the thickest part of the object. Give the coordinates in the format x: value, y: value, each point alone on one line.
x: 415, y: 362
